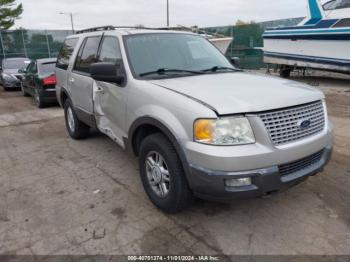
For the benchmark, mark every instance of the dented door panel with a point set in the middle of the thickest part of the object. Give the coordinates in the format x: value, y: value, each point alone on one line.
x: 110, y: 108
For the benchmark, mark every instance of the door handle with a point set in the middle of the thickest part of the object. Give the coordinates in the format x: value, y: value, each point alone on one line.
x: 72, y: 80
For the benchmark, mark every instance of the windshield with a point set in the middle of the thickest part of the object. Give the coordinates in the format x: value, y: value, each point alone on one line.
x: 47, y: 68
x: 178, y: 53
x: 15, y: 63
x: 336, y: 4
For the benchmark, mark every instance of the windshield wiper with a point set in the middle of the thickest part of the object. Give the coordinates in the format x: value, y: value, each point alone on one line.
x: 220, y: 68
x: 164, y: 71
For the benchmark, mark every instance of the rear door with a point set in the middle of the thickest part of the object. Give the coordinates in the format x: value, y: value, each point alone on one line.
x: 26, y: 76
x: 63, y: 62
x: 79, y: 80
x: 110, y: 99
x: 30, y: 77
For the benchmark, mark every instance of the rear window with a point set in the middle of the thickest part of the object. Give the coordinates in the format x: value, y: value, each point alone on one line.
x: 66, y: 53
x: 47, y: 69
x: 343, y: 23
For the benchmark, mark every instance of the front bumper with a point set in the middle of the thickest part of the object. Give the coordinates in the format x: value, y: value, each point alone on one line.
x: 12, y: 84
x: 211, y: 184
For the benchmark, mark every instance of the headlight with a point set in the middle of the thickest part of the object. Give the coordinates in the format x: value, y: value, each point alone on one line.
x: 6, y: 77
x: 224, y: 131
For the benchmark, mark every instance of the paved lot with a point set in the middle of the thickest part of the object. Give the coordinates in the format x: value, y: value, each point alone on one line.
x: 59, y: 196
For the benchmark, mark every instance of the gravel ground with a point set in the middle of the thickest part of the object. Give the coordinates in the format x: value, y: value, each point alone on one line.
x: 59, y: 196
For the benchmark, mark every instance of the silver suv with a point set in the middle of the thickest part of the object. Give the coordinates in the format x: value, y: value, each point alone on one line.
x: 199, y: 126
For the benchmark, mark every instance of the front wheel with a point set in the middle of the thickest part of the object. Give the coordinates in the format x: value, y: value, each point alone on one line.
x: 162, y: 174
x: 76, y: 129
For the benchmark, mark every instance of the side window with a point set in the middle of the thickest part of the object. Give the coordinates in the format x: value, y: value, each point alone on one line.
x: 34, y: 69
x: 87, y: 54
x: 66, y: 53
x: 31, y: 69
x: 110, y: 51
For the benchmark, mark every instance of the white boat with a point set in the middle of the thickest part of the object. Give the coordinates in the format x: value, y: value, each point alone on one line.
x: 222, y: 43
x: 320, y: 41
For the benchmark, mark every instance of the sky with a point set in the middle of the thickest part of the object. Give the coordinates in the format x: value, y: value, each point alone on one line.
x: 45, y: 14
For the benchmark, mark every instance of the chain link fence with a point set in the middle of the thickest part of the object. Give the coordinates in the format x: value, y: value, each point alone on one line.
x: 33, y: 44
x: 247, y: 43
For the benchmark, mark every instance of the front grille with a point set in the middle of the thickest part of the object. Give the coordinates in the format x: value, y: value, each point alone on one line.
x: 301, y: 164
x: 284, y: 125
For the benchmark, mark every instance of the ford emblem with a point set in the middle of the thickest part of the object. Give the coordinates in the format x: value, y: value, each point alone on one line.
x: 303, y: 124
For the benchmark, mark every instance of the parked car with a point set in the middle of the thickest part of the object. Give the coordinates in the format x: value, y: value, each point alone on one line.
x: 199, y: 126
x: 39, y: 81
x: 10, y: 77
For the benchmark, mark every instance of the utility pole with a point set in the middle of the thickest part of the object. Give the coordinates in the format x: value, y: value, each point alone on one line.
x: 24, y: 44
x: 48, y: 44
x: 71, y: 19
x: 72, y: 22
x: 167, y: 13
x: 2, y: 46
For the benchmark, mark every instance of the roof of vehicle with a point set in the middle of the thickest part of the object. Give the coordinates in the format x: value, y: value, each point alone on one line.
x: 46, y: 60
x: 125, y: 31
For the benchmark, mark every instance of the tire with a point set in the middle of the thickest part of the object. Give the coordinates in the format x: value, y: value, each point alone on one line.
x: 179, y: 196
x: 24, y: 93
x: 39, y: 101
x: 285, y: 73
x: 6, y: 89
x: 76, y: 129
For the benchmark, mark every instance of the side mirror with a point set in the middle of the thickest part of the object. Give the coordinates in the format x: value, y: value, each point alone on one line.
x: 236, y: 62
x: 22, y: 71
x: 106, y: 72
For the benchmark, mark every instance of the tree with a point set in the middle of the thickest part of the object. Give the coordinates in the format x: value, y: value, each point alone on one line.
x: 9, y: 12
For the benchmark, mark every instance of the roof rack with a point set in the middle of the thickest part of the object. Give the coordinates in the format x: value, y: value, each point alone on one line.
x: 94, y: 29
x: 177, y: 28
x: 111, y: 27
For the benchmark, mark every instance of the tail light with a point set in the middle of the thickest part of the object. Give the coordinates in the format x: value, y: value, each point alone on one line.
x: 51, y: 80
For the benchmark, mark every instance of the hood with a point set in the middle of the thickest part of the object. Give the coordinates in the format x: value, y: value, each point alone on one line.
x: 238, y: 92
x: 11, y: 71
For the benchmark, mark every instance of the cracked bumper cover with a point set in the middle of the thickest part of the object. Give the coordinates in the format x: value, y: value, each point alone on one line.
x: 211, y: 184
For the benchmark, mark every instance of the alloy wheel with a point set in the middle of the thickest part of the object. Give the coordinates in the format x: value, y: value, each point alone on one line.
x: 158, y: 174
x: 70, y: 119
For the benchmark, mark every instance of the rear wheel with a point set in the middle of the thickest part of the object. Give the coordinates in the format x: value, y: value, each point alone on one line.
x: 39, y: 101
x: 5, y: 88
x: 162, y: 174
x: 76, y: 129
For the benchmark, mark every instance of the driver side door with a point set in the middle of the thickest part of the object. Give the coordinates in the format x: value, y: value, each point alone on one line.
x: 110, y: 99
